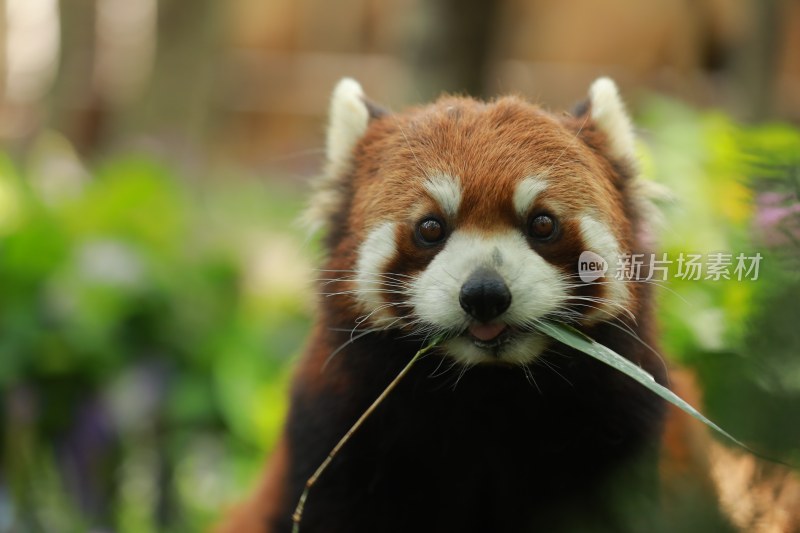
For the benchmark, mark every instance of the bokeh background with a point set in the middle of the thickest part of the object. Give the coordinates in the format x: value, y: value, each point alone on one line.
x: 155, y: 289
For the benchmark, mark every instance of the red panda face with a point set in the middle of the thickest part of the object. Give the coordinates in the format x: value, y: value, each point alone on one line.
x: 467, y: 219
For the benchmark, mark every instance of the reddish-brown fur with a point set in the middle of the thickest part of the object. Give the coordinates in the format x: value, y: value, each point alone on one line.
x: 403, y: 149
x: 490, y: 146
x: 266, y: 501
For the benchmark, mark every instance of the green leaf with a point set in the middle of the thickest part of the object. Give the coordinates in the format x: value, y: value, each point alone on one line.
x: 575, y: 339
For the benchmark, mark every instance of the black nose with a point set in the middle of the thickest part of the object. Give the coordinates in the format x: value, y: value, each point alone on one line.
x: 484, y: 295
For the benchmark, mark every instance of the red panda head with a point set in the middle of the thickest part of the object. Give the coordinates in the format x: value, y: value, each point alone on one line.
x: 468, y: 218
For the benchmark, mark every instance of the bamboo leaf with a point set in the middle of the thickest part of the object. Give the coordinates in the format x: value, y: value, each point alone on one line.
x: 576, y: 339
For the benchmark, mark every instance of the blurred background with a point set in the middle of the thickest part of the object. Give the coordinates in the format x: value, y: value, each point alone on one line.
x: 155, y: 290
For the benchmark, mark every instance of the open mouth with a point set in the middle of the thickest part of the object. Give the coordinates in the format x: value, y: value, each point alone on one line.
x: 488, y: 336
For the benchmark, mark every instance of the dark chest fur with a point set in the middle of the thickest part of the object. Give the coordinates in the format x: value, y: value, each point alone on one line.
x: 489, y: 449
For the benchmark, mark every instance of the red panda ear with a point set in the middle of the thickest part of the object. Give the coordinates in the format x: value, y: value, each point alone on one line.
x: 348, y: 118
x: 604, y: 125
x: 607, y: 112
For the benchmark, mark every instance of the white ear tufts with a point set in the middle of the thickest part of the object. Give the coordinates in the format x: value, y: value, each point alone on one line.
x: 608, y: 112
x: 348, y: 121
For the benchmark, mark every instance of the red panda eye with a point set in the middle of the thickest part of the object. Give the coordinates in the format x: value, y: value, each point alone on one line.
x: 430, y: 231
x: 542, y: 227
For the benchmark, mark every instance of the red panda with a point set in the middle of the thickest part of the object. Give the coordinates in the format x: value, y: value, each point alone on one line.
x: 466, y: 219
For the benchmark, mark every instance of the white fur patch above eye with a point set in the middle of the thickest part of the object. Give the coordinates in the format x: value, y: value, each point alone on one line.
x: 374, y: 255
x: 446, y: 191
x: 526, y: 192
x: 599, y: 239
x: 608, y: 112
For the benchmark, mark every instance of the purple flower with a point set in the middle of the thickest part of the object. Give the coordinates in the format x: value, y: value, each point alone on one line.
x: 778, y: 218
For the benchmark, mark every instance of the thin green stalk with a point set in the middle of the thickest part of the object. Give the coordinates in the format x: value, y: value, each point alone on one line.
x: 298, y: 511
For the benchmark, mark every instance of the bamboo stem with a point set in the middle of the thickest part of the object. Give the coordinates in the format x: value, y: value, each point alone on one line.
x: 297, y: 516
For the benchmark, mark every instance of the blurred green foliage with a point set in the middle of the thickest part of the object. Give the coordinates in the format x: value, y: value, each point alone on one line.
x: 735, y: 189
x: 146, y: 326
x: 148, y: 321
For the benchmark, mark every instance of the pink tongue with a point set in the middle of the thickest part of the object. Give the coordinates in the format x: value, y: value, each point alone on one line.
x: 486, y: 332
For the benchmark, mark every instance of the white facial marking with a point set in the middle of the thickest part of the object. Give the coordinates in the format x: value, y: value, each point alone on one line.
x: 609, y: 114
x: 527, y: 191
x: 599, y: 239
x: 537, y: 288
x: 374, y: 255
x: 446, y: 191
